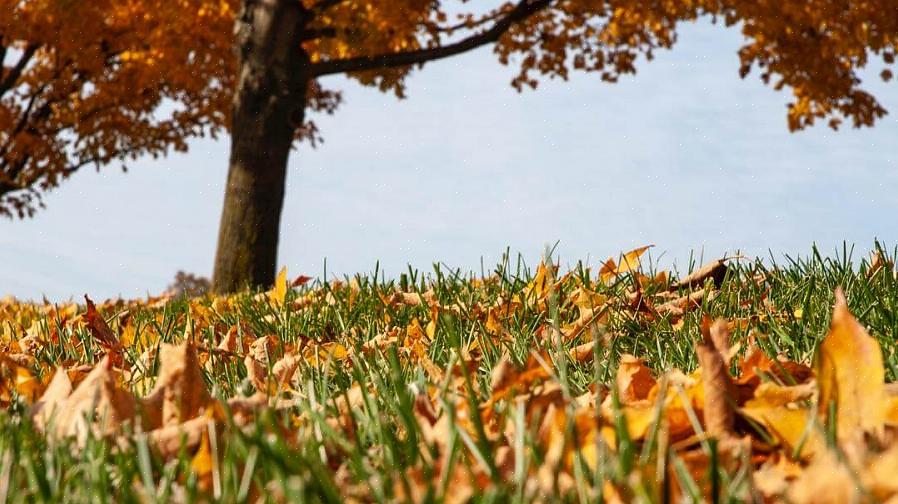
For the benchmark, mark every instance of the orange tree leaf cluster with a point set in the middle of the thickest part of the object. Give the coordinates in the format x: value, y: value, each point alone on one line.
x: 100, y: 82
x: 92, y: 83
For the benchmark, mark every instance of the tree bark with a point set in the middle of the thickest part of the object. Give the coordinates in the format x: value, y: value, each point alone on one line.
x: 269, y: 104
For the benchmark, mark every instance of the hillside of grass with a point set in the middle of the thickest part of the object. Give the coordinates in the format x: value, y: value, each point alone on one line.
x: 619, y: 383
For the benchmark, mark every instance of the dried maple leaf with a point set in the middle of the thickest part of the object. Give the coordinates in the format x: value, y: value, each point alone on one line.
x: 851, y: 376
x: 180, y: 393
x: 97, y: 406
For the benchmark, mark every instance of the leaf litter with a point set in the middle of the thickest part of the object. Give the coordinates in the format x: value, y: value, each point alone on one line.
x: 742, y: 423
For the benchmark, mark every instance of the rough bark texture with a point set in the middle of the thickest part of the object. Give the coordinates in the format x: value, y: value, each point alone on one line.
x: 269, y: 104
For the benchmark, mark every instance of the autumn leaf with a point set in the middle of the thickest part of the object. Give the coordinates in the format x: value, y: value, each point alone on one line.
x: 715, y: 270
x: 851, y: 376
x: 203, y: 463
x: 628, y: 262
x: 98, y: 327
x: 97, y: 406
x: 634, y: 379
x: 278, y: 293
x: 59, y: 389
x: 180, y: 392
x: 719, y: 397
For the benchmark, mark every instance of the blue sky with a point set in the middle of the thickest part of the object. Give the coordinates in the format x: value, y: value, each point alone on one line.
x: 684, y: 155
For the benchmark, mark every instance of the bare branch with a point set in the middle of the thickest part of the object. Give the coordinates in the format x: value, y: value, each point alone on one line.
x: 324, y: 5
x: 521, y: 11
x: 317, y: 33
x: 10, y: 79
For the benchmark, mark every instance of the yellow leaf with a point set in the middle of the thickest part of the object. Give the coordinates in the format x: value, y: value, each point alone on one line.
x: 278, y: 293
x: 414, y: 330
x: 851, y: 376
x: 539, y: 287
x: 203, y: 462
x: 27, y: 385
x: 793, y: 427
x: 629, y: 262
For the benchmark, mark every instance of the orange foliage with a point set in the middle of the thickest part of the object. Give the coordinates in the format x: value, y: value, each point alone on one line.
x: 106, y: 81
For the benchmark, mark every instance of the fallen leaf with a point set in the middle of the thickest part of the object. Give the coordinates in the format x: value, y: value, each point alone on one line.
x: 719, y: 399
x: 825, y: 480
x: 96, y: 407
x: 203, y: 463
x: 628, y: 262
x: 278, y: 293
x: 98, y: 327
x: 180, y: 393
x: 300, y: 281
x: 59, y: 389
x: 850, y: 376
x: 634, y: 379
x: 715, y: 270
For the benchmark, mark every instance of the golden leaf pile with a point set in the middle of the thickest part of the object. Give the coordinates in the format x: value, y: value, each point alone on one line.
x: 821, y: 431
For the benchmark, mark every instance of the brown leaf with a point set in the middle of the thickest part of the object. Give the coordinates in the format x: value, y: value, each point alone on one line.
x: 167, y: 441
x: 96, y: 406
x: 679, y: 306
x: 634, y: 379
x: 503, y: 374
x: 584, y: 352
x: 718, y: 388
x: 826, y: 480
x: 180, y: 393
x: 715, y: 270
x: 283, y: 370
x: 98, y: 327
x: 59, y: 389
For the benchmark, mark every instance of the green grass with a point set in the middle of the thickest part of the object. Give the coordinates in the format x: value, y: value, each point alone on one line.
x: 296, y: 456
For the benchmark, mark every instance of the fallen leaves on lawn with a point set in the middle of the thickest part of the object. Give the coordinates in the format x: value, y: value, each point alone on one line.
x: 799, y: 433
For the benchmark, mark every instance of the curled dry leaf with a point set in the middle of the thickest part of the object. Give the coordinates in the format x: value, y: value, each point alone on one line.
x: 98, y: 327
x: 283, y: 370
x: 715, y: 270
x: 677, y: 307
x: 719, y: 399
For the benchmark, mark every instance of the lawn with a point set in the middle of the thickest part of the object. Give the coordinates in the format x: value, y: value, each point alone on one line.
x: 527, y: 383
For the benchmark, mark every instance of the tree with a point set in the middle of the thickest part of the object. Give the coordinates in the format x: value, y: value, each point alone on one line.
x: 105, y: 81
x: 285, y: 47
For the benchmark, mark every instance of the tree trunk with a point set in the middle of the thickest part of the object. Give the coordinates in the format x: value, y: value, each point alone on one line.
x: 269, y: 104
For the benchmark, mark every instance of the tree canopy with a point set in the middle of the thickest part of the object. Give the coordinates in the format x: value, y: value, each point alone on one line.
x: 106, y: 81
x: 92, y: 83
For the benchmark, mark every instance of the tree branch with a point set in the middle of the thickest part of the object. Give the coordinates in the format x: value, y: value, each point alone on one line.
x: 324, y: 5
x: 10, y: 79
x: 520, y: 12
x: 317, y: 33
